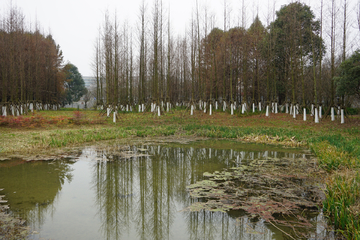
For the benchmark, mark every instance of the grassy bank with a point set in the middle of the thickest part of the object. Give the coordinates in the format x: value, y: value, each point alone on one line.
x: 336, y: 146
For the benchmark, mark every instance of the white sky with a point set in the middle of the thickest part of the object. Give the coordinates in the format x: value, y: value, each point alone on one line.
x: 74, y: 24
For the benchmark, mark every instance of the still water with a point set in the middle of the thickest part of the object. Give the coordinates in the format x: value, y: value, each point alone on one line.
x: 133, y: 192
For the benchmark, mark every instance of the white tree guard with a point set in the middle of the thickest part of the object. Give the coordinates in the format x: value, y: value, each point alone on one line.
x: 294, y: 112
x: 316, y: 115
x: 312, y: 109
x: 4, y: 113
x: 267, y: 111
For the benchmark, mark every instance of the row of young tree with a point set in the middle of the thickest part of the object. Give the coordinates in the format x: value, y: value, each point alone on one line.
x: 30, y: 63
x: 283, y: 62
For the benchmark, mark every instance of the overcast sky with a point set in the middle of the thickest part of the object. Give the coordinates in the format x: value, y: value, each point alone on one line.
x: 74, y: 24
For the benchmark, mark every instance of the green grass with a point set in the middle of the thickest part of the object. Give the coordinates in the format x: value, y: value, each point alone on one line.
x: 239, y: 132
x: 62, y: 138
x: 342, y: 203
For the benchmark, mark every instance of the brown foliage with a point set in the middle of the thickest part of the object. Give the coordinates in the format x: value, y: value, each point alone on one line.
x: 30, y: 63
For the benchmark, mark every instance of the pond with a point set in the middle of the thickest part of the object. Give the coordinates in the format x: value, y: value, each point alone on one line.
x: 141, y: 191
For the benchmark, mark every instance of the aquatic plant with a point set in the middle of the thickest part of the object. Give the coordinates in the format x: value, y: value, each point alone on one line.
x: 264, y: 188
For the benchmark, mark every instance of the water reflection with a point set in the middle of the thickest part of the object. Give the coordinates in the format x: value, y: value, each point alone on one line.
x: 135, y: 192
x: 140, y: 197
x: 32, y: 188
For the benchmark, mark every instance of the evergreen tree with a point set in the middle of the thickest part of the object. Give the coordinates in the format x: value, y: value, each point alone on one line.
x: 74, y: 85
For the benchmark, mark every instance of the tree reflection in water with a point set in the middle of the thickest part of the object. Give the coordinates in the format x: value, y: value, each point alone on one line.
x: 139, y: 192
x: 31, y: 188
x: 140, y: 197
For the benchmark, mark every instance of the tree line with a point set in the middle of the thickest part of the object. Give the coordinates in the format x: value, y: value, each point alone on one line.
x: 283, y: 62
x: 31, y: 63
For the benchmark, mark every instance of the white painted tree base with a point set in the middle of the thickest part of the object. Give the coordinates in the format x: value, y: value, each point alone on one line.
x: 4, y: 111
x: 312, y: 109
x: 294, y: 112
x: 243, y: 108
x: 316, y: 115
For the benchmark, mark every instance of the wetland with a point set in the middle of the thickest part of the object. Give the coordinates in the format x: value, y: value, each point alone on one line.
x: 168, y: 189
